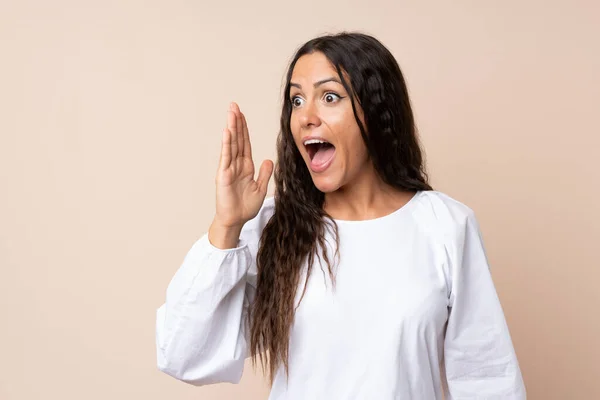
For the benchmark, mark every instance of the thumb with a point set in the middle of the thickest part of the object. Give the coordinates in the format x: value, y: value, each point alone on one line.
x: 264, y: 175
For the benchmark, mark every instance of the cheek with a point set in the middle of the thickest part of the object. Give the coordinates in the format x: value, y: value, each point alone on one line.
x: 294, y: 122
x: 356, y: 145
x: 361, y: 148
x: 295, y: 128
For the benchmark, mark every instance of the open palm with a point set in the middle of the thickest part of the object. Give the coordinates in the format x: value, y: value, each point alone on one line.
x: 239, y: 195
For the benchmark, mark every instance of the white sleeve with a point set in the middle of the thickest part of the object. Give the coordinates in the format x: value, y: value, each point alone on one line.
x: 201, y: 330
x: 480, y: 360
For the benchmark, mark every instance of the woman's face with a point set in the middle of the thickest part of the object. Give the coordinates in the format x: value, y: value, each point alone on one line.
x: 322, y: 112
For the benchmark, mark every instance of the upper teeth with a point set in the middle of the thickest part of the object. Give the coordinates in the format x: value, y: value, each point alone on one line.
x: 313, y: 141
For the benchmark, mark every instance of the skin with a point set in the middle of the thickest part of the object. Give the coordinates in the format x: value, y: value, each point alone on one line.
x: 322, y: 107
x: 353, y: 190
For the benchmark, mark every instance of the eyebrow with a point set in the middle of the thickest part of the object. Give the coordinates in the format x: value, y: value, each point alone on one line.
x: 318, y: 83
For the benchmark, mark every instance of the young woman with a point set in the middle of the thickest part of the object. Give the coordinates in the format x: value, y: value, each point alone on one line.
x: 401, y: 304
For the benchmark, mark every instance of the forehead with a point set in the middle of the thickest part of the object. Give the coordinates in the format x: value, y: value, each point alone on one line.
x: 313, y: 67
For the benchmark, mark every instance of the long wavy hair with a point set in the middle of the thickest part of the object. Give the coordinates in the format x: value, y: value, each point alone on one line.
x: 296, y: 232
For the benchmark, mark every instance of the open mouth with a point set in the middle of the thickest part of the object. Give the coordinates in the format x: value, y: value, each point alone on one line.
x: 319, y: 151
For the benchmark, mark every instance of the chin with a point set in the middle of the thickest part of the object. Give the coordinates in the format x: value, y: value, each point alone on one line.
x: 326, y: 185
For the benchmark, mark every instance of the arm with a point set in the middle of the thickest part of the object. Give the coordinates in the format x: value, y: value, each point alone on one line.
x: 480, y: 360
x: 201, y: 332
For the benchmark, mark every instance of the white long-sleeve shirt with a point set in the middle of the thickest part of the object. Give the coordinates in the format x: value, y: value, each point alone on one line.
x: 414, y: 313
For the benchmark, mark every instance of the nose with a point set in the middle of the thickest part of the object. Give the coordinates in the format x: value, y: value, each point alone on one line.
x: 309, y: 117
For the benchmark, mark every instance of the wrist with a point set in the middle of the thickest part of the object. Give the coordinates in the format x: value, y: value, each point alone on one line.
x: 224, y: 236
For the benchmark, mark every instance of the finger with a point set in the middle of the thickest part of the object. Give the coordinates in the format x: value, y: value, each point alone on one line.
x: 247, y: 146
x: 264, y: 175
x: 225, y: 160
x: 231, y: 126
x: 239, y: 127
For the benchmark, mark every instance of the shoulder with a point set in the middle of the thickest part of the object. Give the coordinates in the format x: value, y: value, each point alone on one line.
x: 267, y: 210
x: 254, y: 227
x: 440, y: 213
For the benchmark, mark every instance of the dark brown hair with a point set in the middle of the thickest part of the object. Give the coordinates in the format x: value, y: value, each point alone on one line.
x: 297, y: 229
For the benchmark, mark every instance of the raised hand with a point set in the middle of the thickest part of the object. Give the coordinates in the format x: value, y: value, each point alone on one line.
x: 238, y: 195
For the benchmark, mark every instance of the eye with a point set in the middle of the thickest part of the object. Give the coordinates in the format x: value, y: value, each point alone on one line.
x: 296, y: 101
x: 331, y: 97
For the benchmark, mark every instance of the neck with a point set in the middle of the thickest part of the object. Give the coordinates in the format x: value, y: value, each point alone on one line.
x: 366, y: 197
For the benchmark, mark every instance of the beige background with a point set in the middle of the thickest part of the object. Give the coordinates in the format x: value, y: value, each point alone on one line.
x: 110, y: 121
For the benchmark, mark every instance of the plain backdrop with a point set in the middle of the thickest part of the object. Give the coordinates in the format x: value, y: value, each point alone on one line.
x: 111, y: 115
